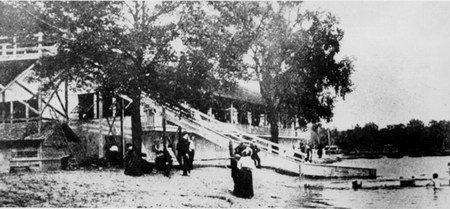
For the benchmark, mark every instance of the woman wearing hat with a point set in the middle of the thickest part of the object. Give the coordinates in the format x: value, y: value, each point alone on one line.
x: 245, y: 166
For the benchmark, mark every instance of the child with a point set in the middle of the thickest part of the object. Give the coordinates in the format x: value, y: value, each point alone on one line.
x: 435, y: 182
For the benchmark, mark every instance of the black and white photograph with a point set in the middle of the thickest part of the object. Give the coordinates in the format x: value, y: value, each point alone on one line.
x: 224, y: 104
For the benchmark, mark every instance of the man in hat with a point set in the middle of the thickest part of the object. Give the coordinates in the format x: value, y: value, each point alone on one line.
x: 255, y: 156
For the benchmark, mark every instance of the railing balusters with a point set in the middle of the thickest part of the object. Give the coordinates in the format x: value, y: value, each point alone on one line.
x: 17, y: 52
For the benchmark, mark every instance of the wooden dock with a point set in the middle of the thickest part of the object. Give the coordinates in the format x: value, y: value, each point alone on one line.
x: 332, y: 171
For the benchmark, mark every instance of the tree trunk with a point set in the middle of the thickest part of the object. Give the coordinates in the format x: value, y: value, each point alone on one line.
x: 134, y: 160
x: 269, y: 95
x: 272, y: 117
x: 136, y: 126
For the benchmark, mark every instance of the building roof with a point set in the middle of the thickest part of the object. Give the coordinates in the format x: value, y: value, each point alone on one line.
x: 14, y: 132
x: 247, y: 91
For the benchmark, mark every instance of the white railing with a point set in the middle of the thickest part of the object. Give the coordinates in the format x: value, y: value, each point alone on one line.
x: 222, y: 133
x: 268, y: 146
x: 13, y: 51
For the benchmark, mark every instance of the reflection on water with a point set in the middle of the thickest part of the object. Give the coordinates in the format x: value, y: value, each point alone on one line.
x: 383, y: 193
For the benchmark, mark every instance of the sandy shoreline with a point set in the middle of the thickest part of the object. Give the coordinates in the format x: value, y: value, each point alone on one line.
x: 205, y: 187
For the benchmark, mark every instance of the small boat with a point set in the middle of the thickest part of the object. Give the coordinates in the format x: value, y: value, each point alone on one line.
x: 312, y: 170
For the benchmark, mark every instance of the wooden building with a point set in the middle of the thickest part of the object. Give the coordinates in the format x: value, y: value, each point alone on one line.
x: 100, y: 121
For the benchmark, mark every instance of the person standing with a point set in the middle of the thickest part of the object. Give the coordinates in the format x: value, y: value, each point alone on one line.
x: 234, y: 158
x: 191, y: 153
x: 132, y: 162
x: 255, y: 156
x: 245, y: 166
x: 183, y: 154
x: 308, y: 153
x: 320, y: 150
x: 435, y: 182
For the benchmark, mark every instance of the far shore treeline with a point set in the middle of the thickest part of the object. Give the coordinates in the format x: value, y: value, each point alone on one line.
x: 413, y: 139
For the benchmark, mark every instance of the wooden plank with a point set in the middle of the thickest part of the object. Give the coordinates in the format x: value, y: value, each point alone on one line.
x: 51, y: 95
x: 20, y: 76
x: 66, y: 97
x: 62, y: 106
x: 24, y: 103
x: 332, y: 171
x: 40, y: 99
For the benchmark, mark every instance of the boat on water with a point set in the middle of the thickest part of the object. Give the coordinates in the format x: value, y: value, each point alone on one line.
x: 312, y: 170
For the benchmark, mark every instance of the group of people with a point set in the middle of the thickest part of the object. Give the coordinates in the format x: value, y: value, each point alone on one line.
x: 163, y: 160
x: 243, y: 161
x: 306, y: 148
x: 137, y: 165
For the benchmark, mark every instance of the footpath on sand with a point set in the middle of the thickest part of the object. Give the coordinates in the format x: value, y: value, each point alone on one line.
x: 205, y: 187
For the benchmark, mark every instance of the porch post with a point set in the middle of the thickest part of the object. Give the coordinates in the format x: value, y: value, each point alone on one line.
x: 95, y: 105
x: 14, y: 47
x: 39, y: 97
x: 100, y: 114
x: 3, y: 110
x: 27, y: 113
x: 11, y: 111
x: 66, y: 98
x: 210, y: 114
x: 40, y: 35
x: 231, y: 114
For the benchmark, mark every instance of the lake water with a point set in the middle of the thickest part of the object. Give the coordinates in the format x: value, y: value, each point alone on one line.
x: 382, y: 193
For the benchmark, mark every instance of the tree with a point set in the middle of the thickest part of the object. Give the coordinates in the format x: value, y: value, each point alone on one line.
x: 293, y: 58
x: 128, y: 48
x: 14, y: 20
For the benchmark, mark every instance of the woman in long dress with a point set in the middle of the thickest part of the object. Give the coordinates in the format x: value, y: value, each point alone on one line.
x: 245, y: 166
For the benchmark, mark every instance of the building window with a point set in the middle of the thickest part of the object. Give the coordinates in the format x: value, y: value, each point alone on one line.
x: 31, y: 152
x: 85, y: 106
x: 109, y: 105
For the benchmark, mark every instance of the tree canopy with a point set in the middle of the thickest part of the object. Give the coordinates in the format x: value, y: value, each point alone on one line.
x: 293, y: 56
x: 415, y: 138
x: 177, y: 52
x: 169, y: 51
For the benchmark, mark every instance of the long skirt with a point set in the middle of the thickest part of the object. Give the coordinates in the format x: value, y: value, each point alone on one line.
x: 235, y: 176
x: 245, y: 185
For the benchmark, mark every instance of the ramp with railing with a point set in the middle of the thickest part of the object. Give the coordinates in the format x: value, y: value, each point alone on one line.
x: 273, y: 155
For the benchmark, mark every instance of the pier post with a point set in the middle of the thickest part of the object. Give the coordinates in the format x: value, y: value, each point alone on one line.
x: 40, y: 36
x: 14, y: 47
x: 3, y: 49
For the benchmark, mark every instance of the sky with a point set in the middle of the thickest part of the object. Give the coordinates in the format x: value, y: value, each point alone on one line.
x: 402, y: 52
